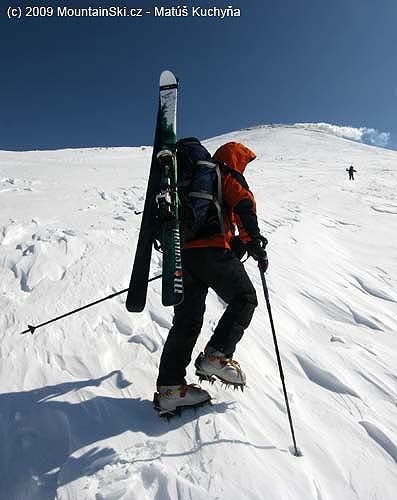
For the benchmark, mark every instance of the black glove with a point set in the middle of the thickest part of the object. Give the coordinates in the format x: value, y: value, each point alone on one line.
x: 256, y: 250
x: 238, y: 247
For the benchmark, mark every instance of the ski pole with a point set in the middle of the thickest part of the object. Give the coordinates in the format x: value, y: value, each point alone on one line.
x: 297, y: 451
x: 32, y: 328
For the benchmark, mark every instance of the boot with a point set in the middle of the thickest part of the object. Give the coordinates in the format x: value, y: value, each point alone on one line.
x: 169, y: 400
x: 213, y: 364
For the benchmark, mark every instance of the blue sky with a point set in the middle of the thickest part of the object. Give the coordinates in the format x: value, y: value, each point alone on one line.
x: 81, y: 82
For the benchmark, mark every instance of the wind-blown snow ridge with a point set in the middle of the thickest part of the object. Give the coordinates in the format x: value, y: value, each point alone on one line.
x: 361, y: 134
x: 365, y: 135
x: 76, y: 418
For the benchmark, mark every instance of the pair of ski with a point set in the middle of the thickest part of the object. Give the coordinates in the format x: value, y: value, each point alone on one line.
x: 160, y: 221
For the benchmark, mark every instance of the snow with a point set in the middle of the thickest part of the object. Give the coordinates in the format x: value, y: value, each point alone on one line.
x: 76, y: 418
x: 362, y: 134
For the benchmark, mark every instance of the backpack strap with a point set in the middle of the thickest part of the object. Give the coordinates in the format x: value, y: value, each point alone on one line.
x: 199, y: 194
x: 236, y: 175
x: 218, y: 199
x: 209, y: 164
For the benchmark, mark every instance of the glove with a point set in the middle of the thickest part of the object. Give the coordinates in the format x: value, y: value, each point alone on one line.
x: 256, y: 250
x: 237, y: 247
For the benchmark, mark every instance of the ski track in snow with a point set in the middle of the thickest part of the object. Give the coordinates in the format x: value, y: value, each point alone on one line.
x: 76, y: 418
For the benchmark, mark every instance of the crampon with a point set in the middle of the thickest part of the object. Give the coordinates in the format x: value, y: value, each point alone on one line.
x: 217, y: 366
x: 174, y: 401
x: 168, y: 414
x: 213, y: 378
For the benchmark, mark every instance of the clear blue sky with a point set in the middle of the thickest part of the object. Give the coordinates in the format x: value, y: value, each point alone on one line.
x: 81, y: 82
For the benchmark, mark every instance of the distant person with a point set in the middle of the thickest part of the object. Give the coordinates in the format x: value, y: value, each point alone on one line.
x: 351, y: 172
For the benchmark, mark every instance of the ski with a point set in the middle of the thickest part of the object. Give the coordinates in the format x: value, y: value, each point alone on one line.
x: 160, y: 214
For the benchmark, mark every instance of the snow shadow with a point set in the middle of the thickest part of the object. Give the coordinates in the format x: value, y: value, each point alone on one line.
x: 324, y: 378
x: 39, y: 433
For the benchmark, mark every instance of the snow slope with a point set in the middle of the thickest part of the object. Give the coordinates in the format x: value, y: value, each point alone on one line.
x: 76, y: 420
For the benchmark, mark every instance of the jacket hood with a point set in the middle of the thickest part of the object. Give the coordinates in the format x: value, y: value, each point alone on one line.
x: 235, y: 155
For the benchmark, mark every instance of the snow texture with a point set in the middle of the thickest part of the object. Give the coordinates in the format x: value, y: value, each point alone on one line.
x: 76, y: 418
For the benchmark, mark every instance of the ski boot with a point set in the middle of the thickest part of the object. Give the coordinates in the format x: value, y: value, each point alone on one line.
x: 211, y: 365
x: 171, y: 400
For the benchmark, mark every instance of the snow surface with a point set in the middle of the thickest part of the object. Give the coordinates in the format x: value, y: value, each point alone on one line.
x: 76, y: 419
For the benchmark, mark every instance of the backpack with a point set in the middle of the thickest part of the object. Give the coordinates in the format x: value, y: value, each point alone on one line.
x: 199, y: 190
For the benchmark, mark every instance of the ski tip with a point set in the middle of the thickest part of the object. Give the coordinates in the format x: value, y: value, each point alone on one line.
x: 167, y: 78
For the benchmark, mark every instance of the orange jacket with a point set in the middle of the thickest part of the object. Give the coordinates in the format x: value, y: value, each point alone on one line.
x: 239, y: 205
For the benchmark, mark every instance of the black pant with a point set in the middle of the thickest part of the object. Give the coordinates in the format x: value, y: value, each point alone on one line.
x: 351, y: 176
x: 204, y: 268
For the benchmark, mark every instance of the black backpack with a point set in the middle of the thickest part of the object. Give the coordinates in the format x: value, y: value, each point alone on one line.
x: 199, y: 190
